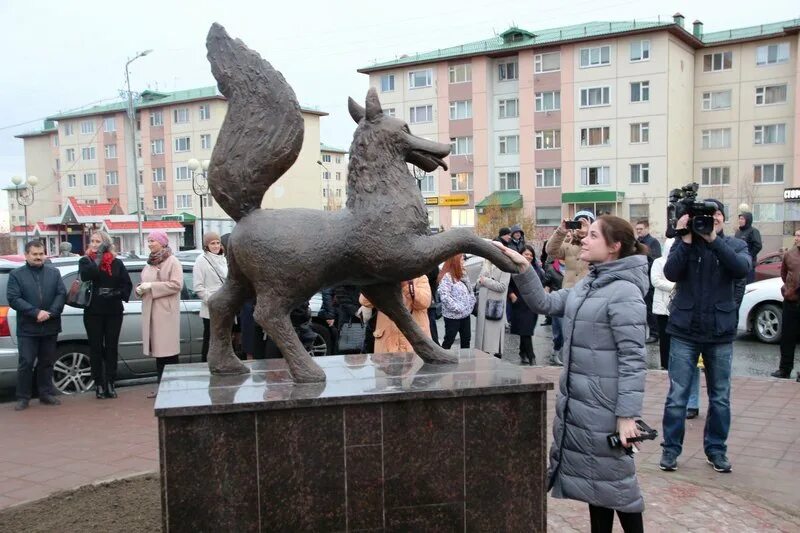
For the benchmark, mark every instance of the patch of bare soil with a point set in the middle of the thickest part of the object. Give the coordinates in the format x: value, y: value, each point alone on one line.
x: 130, y: 505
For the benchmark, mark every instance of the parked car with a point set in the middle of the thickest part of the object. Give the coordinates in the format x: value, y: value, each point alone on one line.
x: 761, y: 311
x: 769, y: 266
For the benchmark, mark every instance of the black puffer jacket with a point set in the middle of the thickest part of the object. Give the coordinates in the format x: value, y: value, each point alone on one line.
x: 751, y: 236
x: 34, y: 289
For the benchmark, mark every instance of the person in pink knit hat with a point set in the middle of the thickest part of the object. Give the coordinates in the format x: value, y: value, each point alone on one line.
x: 160, y: 291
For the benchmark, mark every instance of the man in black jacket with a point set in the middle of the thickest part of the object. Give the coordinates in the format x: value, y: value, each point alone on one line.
x: 35, y: 291
x: 703, y: 319
x: 752, y: 237
x: 653, y: 253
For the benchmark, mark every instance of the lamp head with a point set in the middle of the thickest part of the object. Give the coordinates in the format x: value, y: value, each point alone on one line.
x: 206, y: 163
x: 33, y: 181
x: 146, y: 52
x: 194, y: 164
x: 16, y: 180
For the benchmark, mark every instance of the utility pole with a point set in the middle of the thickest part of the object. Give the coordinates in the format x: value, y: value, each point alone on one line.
x: 135, y: 177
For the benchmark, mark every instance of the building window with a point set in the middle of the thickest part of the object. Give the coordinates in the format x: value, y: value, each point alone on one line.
x: 389, y: 111
x: 508, y: 108
x: 549, y: 62
x: 182, y: 174
x: 640, y: 91
x: 596, y: 136
x: 183, y: 144
x: 508, y: 144
x: 548, y: 139
x: 139, y: 149
x: 387, y: 83
x: 716, y: 139
x: 90, y: 179
x: 771, y: 173
x: 460, y: 145
x: 462, y: 217
x: 508, y: 181
x: 87, y: 154
x: 111, y: 151
x: 717, y: 62
x: 640, y: 132
x: 55, y: 141
x: 205, y: 111
x: 639, y: 211
x: 205, y: 141
x: 640, y: 173
x: 461, y: 73
x: 72, y: 181
x: 112, y: 177
x: 507, y: 71
x: 714, y: 100
x: 548, y: 101
x: 159, y: 175
x: 326, y: 158
x: 548, y: 177
x: 420, y: 114
x: 338, y: 176
x: 596, y: 56
x: 715, y: 176
x: 418, y: 79
x: 207, y: 200
x: 156, y: 118
x: 70, y: 154
x: 183, y: 201
x: 770, y: 134
x: 428, y: 184
x: 640, y: 50
x: 157, y: 146
x: 460, y: 109
x: 768, y: 212
x: 772, y: 54
x: 771, y: 94
x: 159, y: 203
x: 595, y: 175
x: 461, y: 181
x: 87, y: 127
x: 109, y: 124
x: 338, y: 160
x: 548, y: 216
x: 326, y: 175
x: 338, y: 193
x: 68, y: 129
x: 180, y: 115
x: 595, y: 96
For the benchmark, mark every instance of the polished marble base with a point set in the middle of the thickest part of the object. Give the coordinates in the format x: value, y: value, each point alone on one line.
x: 388, y: 443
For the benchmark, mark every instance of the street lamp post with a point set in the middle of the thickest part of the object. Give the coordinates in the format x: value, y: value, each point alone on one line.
x: 200, y: 185
x: 25, y: 196
x: 327, y: 186
x: 132, y: 120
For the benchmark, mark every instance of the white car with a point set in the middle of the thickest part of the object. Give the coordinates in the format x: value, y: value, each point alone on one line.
x: 761, y: 312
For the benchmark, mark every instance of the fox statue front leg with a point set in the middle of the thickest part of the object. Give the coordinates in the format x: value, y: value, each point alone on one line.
x: 445, y: 245
x: 222, y: 308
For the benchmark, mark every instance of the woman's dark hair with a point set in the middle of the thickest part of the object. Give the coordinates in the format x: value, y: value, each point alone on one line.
x: 531, y: 249
x: 618, y: 230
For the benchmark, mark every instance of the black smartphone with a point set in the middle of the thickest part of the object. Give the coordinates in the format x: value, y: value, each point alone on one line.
x: 572, y: 224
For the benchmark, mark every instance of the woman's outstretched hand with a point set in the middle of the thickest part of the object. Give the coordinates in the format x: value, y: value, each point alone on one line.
x: 520, y: 262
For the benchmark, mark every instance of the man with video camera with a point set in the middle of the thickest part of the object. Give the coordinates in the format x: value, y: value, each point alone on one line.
x: 705, y: 264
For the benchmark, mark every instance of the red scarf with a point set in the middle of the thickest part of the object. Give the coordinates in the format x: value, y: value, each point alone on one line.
x: 105, y: 263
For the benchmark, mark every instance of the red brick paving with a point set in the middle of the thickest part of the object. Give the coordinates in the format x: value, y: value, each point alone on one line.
x: 46, y: 449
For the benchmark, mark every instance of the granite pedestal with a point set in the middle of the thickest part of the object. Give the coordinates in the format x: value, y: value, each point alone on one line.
x: 388, y: 443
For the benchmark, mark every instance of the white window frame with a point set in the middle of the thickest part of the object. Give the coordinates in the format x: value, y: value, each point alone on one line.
x: 205, y: 141
x: 775, y: 167
x: 87, y: 127
x: 543, y: 175
x: 390, y: 83
x: 644, y: 91
x: 69, y: 129
x: 205, y: 111
x: 590, y: 93
x: 182, y: 173
x: 72, y: 181
x: 183, y: 201
x: 723, y: 176
x: 503, y: 70
x: 640, y: 51
x: 183, y: 144
x: 70, y: 154
x: 461, y: 73
x: 412, y: 78
x: 157, y: 147
x: 716, y: 139
x: 156, y: 118
x: 640, y: 173
x: 88, y: 153
x: 110, y: 151
x: 457, y: 179
x: 460, y: 109
x: 761, y: 133
x: 326, y: 158
x: 503, y: 106
x: 207, y: 200
x: 112, y: 177
x: 545, y: 137
x: 554, y: 215
x: 462, y: 218
x: 721, y: 56
x: 159, y: 205
x: 413, y: 114
x: 159, y: 175
x: 507, y: 180
x: 508, y: 145
x: 602, y: 176
x: 390, y: 111
x: 461, y: 145
x: 539, y: 61
x: 427, y: 184
x: 709, y: 97
x: 109, y: 124
x: 642, y: 130
x: 592, y: 57
x: 763, y: 52
x: 90, y: 179
x: 586, y: 134
x: 180, y: 115
x: 555, y: 97
x: 763, y: 92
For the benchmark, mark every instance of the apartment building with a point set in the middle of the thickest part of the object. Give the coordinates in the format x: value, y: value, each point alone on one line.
x: 608, y: 117
x: 333, y: 168
x: 89, y: 155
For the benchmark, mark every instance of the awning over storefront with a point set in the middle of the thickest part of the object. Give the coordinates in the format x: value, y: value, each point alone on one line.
x: 588, y: 197
x: 185, y: 218
x: 501, y: 199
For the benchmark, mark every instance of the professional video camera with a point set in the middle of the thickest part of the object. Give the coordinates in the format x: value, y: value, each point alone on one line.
x: 683, y: 201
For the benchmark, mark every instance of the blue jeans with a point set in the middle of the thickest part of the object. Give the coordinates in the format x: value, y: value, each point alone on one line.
x: 694, y: 394
x: 558, y: 335
x: 683, y: 358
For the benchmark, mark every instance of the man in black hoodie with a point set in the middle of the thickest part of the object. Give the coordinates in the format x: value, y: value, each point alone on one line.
x: 517, y: 242
x: 752, y: 237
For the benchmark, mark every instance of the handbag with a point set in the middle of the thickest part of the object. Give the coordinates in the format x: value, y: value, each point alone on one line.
x: 351, y: 336
x: 495, y: 309
x: 80, y: 294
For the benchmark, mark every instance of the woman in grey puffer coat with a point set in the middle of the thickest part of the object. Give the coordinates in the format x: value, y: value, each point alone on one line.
x: 601, y: 388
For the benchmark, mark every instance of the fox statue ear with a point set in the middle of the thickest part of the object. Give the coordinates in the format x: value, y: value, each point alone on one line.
x: 373, y: 104
x: 356, y: 111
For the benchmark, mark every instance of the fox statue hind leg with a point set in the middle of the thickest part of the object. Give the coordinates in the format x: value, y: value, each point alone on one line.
x: 222, y: 308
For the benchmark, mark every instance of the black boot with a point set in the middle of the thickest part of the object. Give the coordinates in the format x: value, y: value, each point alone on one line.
x: 99, y: 391
x: 111, y: 392
x: 531, y: 359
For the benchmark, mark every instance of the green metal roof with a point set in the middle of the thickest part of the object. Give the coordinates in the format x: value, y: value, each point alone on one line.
x: 751, y: 32
x: 502, y: 199
x: 49, y: 127
x: 328, y: 148
x: 180, y: 217
x: 586, y: 197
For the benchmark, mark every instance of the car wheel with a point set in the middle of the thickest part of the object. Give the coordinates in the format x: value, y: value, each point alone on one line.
x: 72, y: 372
x: 322, y: 344
x: 767, y: 323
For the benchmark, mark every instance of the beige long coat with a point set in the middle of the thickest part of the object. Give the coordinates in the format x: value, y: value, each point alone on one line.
x: 161, y: 309
x: 490, y: 334
x: 559, y: 246
x: 388, y: 337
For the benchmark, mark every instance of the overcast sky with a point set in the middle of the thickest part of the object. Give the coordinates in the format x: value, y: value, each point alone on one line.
x: 62, y: 55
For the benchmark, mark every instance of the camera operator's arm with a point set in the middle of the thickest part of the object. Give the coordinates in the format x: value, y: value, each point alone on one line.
x: 678, y: 258
x: 733, y: 256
